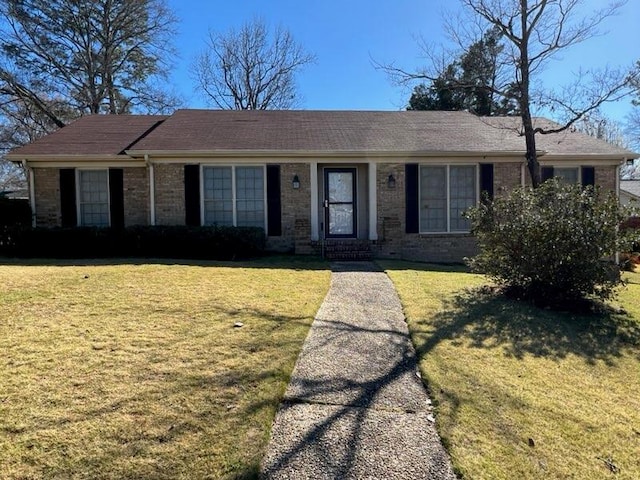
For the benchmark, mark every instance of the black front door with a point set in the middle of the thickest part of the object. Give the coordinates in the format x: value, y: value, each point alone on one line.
x: 340, y: 202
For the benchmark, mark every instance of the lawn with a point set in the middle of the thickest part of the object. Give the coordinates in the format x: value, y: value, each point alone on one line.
x: 136, y: 370
x: 521, y: 392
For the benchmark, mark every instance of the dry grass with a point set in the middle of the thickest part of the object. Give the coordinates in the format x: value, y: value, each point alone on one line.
x: 136, y: 370
x: 526, y: 393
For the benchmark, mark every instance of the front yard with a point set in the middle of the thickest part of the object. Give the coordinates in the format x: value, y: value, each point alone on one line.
x: 525, y: 393
x: 137, y: 371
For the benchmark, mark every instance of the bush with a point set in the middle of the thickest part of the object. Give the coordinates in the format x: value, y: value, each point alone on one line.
x: 551, y: 244
x: 213, y: 243
x: 14, y: 212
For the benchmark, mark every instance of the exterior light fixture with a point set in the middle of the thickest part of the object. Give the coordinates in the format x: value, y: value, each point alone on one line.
x: 391, y: 181
x: 296, y: 182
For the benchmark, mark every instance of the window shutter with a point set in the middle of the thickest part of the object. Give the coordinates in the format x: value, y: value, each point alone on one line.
x: 486, y: 179
x: 546, y: 173
x: 274, y: 206
x: 68, y: 210
x: 412, y: 210
x: 192, y: 195
x: 116, y: 197
x: 588, y: 176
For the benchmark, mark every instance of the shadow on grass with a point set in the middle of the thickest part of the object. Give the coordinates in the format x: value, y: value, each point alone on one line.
x: 289, y: 262
x: 485, y: 319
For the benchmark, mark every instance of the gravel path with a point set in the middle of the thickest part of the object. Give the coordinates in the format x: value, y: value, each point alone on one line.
x: 355, y: 407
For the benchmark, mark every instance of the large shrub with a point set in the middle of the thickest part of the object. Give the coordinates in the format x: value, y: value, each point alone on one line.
x: 215, y: 243
x: 553, y: 243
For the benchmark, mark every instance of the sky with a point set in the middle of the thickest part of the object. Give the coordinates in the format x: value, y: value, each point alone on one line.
x: 346, y: 35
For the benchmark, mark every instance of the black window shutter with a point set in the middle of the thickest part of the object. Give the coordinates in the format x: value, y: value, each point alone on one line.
x: 274, y: 206
x: 588, y: 176
x: 116, y: 197
x: 412, y: 210
x: 546, y: 173
x: 486, y: 179
x: 192, y: 195
x: 68, y: 212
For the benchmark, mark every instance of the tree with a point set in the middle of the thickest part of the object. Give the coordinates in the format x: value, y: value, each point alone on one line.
x: 251, y: 68
x: 94, y: 56
x: 533, y: 33
x: 61, y: 59
x: 468, y: 82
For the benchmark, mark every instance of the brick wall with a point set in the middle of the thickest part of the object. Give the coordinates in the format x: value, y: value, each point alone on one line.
x: 296, y: 208
x: 169, y: 193
x: 506, y: 177
x: 47, y: 188
x: 136, y: 196
x: 606, y: 177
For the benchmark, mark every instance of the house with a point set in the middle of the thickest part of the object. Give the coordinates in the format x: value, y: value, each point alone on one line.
x: 391, y: 184
x: 630, y: 193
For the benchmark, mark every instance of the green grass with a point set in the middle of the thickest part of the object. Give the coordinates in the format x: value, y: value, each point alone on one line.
x: 136, y: 370
x: 502, y: 373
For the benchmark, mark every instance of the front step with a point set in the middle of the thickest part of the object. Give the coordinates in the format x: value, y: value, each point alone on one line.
x: 358, y: 250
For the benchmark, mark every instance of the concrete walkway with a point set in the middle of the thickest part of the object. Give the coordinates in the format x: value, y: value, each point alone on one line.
x: 355, y: 407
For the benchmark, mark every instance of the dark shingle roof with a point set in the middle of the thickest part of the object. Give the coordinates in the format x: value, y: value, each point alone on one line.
x: 92, y: 135
x: 358, y: 132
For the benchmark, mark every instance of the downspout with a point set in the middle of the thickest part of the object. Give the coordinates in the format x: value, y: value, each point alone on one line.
x: 32, y: 191
x: 152, y: 190
x: 618, y: 197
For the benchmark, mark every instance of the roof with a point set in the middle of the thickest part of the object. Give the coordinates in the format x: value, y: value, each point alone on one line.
x: 102, y: 135
x: 631, y: 186
x: 299, y: 131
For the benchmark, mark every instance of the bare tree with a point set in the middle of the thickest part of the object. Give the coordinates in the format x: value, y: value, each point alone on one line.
x: 251, y: 68
x: 534, y: 32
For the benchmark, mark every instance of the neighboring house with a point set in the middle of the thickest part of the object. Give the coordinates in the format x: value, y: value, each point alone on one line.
x: 396, y: 183
x: 630, y: 193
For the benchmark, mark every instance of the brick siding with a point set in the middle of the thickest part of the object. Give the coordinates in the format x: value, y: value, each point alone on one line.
x: 136, y: 196
x: 47, y: 188
x: 169, y: 193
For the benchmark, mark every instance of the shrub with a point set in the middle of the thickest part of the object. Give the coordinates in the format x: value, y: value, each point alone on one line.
x: 551, y: 244
x: 14, y: 212
x: 214, y: 243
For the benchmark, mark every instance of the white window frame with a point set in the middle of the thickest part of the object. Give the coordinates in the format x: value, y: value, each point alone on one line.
x: 234, y: 197
x: 79, y: 219
x: 448, y: 191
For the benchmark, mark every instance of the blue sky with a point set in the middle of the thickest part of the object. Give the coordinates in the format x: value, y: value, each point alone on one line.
x: 344, y: 35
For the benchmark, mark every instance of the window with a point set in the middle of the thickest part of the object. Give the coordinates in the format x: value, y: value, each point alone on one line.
x: 93, y: 198
x: 234, y: 196
x: 446, y: 192
x: 567, y: 175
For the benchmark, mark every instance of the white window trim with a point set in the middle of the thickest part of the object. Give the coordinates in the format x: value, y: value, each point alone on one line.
x: 447, y: 181
x: 233, y: 190
x: 79, y: 222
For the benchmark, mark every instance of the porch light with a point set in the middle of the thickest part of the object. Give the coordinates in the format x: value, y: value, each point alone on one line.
x: 391, y: 181
x: 296, y: 182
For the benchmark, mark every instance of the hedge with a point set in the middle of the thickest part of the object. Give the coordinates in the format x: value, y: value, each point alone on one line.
x: 14, y: 212
x: 214, y: 243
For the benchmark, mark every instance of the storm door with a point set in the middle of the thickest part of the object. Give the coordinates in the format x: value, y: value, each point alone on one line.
x: 340, y: 202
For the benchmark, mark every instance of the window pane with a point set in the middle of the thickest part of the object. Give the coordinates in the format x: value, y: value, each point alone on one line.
x: 341, y: 219
x: 218, y: 202
x: 250, y: 196
x: 340, y: 187
x: 566, y: 175
x: 433, y: 199
x: 462, y: 185
x: 94, y: 198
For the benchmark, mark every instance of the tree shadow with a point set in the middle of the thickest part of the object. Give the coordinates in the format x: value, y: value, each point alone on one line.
x: 485, y: 319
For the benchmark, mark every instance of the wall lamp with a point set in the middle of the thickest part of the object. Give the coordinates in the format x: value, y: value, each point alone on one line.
x: 296, y: 182
x: 391, y: 181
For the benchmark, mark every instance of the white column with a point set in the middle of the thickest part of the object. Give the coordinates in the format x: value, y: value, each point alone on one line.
x: 32, y: 192
x: 373, y: 202
x: 152, y: 192
x: 313, y: 178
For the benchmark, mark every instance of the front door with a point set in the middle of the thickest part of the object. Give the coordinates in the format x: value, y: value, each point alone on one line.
x: 340, y: 202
